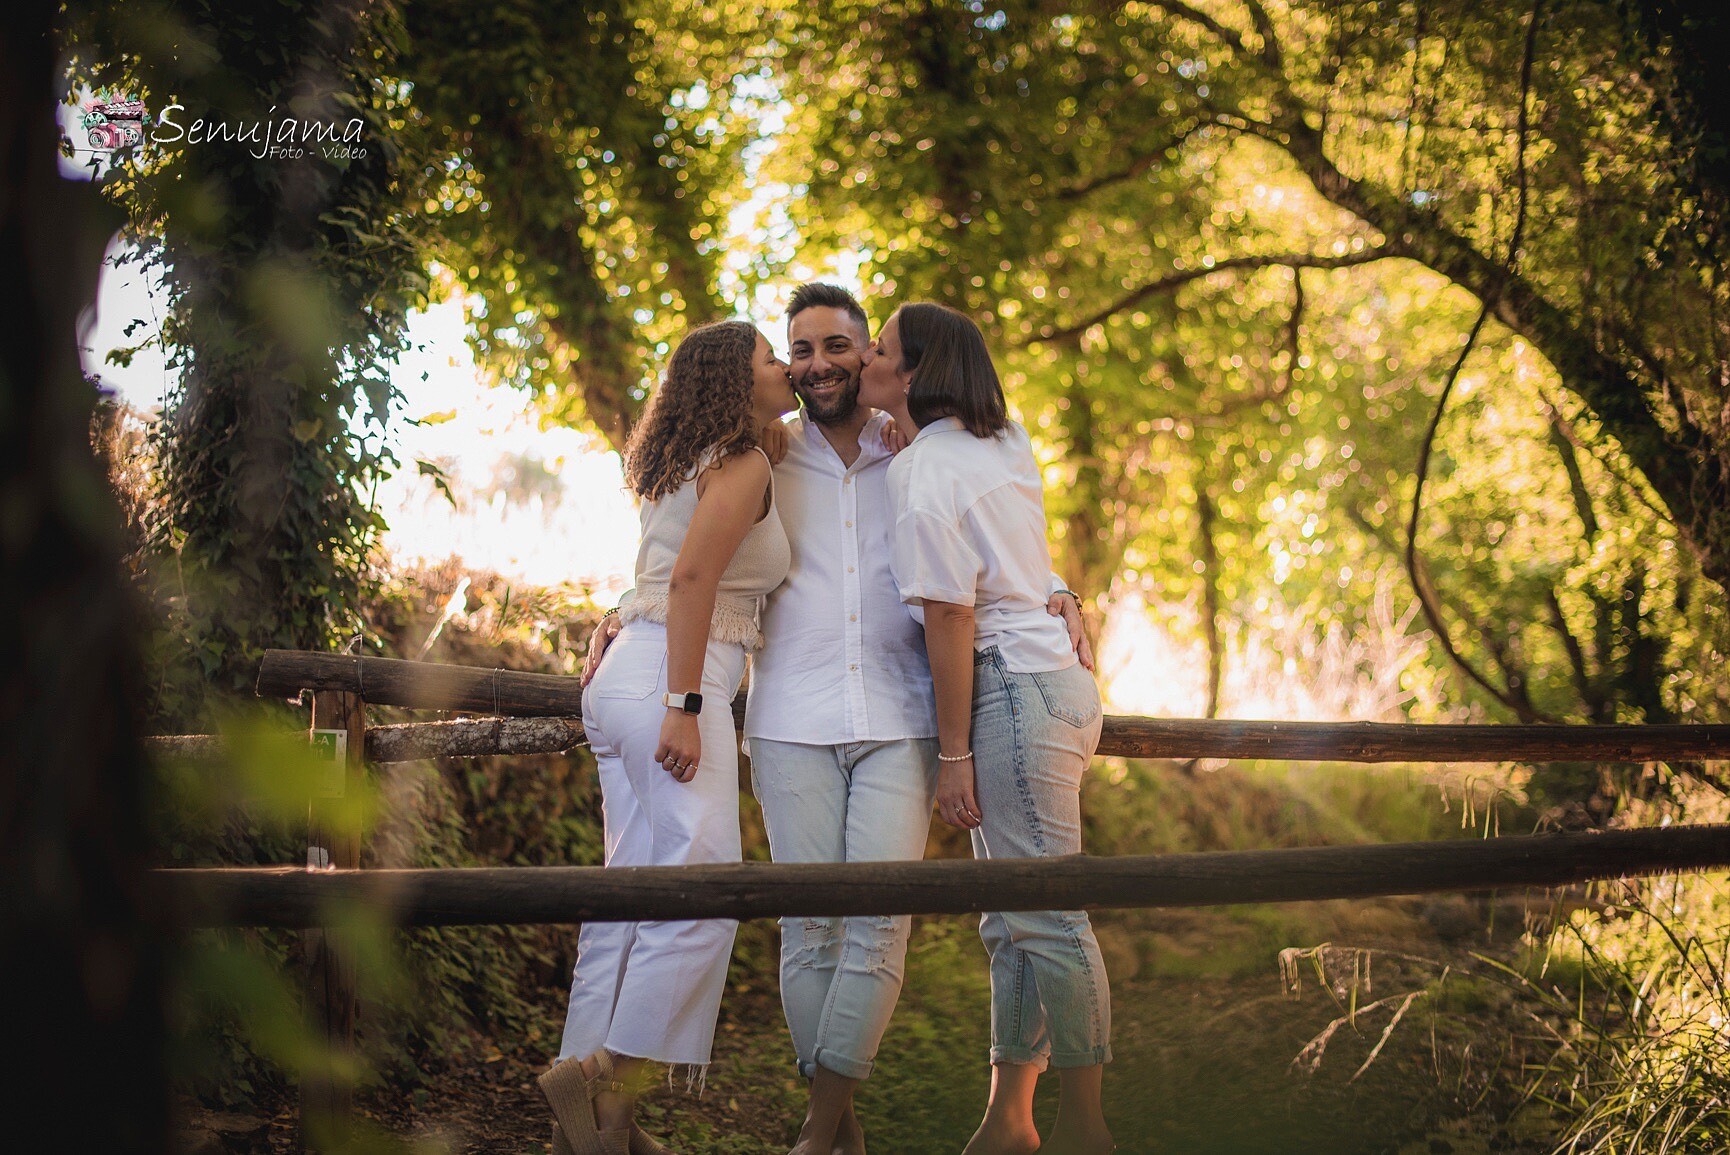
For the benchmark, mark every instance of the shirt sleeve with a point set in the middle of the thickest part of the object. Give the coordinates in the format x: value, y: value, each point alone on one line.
x: 932, y: 560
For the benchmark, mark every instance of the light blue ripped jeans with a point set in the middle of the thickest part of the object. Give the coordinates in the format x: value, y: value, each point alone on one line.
x: 857, y: 802
x: 1033, y: 736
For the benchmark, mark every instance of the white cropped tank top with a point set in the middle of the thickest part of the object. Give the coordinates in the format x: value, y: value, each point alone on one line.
x: 760, y: 564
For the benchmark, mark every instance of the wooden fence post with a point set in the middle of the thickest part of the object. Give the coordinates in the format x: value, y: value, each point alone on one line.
x: 326, y: 1097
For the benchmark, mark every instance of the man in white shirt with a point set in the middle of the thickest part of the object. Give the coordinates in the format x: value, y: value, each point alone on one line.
x: 841, y: 722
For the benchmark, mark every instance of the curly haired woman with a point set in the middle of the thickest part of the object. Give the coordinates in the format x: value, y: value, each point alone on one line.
x: 712, y: 546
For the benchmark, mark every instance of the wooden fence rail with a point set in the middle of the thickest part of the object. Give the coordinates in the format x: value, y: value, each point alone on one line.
x: 412, y: 741
x: 542, y: 713
x: 495, y: 896
x: 557, y: 702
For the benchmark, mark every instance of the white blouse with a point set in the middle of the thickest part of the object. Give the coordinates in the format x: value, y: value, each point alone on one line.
x: 970, y: 529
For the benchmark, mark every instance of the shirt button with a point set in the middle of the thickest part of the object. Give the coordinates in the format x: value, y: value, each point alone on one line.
x: 852, y: 617
x: 849, y: 569
x: 854, y: 666
x: 849, y: 525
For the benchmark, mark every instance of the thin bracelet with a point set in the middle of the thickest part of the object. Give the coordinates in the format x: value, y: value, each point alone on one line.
x: 615, y: 610
x: 956, y: 758
x: 1071, y: 593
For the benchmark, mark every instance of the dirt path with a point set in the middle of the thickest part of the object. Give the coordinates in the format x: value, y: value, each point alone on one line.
x: 1204, y: 1042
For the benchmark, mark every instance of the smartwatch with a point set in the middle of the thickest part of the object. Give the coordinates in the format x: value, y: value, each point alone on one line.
x: 690, y: 703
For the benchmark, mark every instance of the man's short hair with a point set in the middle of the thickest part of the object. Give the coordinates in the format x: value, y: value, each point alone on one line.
x: 817, y: 294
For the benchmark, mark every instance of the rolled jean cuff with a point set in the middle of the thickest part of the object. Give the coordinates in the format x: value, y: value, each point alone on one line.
x: 832, y: 1060
x: 1093, y: 1057
x: 1059, y: 1060
x: 1021, y: 1056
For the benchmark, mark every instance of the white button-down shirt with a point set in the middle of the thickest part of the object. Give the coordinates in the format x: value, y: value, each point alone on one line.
x: 842, y: 661
x: 970, y: 530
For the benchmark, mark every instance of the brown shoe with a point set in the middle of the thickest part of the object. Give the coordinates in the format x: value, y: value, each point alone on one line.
x: 571, y: 1095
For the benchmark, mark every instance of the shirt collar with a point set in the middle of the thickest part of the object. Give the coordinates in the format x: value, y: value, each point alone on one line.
x: 942, y: 425
x: 870, y: 438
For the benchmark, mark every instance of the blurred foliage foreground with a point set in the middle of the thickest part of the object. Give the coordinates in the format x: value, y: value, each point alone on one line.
x: 1304, y: 303
x: 1589, y: 1021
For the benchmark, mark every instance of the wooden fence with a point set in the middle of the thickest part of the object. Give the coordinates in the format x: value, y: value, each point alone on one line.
x: 541, y: 713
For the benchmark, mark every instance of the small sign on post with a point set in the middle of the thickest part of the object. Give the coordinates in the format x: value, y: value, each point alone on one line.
x: 330, y: 751
x: 330, y: 748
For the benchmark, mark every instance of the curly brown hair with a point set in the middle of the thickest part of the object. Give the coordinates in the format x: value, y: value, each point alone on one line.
x: 704, y: 403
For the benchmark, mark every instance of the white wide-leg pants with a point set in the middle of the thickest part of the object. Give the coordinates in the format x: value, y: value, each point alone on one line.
x: 652, y: 989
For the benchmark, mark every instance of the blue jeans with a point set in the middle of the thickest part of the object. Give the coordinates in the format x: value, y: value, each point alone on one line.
x: 856, y: 802
x: 1033, y: 737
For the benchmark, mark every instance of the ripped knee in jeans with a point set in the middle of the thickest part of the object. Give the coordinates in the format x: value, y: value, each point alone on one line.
x: 879, y: 938
x: 817, y: 938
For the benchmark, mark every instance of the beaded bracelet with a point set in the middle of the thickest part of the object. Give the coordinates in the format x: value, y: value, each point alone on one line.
x: 956, y: 758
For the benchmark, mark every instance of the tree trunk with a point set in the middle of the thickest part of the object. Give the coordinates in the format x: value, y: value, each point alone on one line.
x: 1207, y: 553
x: 80, y: 964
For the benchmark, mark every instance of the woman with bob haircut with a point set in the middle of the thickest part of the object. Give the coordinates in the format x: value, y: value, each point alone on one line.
x: 659, y: 715
x: 1018, y: 714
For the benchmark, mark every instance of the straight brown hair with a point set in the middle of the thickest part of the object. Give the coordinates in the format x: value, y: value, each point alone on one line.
x: 952, y: 371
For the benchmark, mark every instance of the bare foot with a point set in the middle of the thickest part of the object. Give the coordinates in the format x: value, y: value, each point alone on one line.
x: 1079, y: 1141
x: 812, y: 1141
x: 996, y: 1138
x: 849, y: 1136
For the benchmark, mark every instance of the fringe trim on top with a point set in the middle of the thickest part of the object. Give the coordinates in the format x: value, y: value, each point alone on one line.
x: 733, y: 621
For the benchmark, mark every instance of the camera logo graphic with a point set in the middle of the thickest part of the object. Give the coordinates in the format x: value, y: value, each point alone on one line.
x: 115, y: 124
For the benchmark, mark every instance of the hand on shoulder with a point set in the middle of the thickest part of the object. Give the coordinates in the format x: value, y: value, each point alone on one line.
x: 893, y: 439
x: 773, y: 440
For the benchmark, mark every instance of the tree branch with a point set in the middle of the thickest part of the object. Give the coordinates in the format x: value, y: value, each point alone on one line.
x: 1560, y: 422
x: 1681, y: 467
x: 1443, y: 601
x: 1136, y: 167
x: 1415, y: 571
x: 1214, y: 28
x: 1271, y: 54
x: 1576, y: 656
x: 1571, y: 466
x: 1520, y: 704
x: 1172, y: 282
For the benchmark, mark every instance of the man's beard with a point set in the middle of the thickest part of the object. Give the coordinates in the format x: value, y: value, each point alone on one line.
x: 835, y: 408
